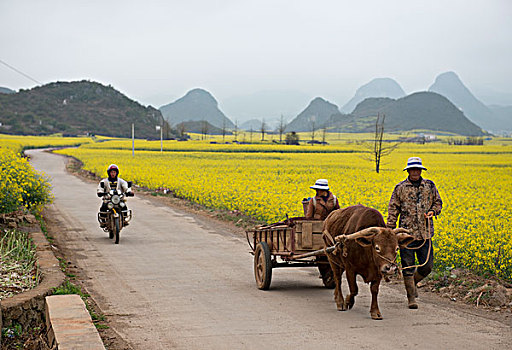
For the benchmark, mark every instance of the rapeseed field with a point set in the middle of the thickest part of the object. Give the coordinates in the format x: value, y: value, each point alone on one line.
x: 268, y: 182
x: 19, y: 143
x: 20, y: 185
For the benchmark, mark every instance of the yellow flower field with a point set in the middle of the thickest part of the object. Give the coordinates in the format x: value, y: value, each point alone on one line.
x: 268, y: 181
x: 20, y: 185
x: 18, y: 142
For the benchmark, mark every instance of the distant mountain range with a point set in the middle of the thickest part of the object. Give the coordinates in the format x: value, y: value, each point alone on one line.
x: 81, y: 107
x: 74, y: 108
x: 422, y: 110
x: 379, y: 87
x: 196, y: 105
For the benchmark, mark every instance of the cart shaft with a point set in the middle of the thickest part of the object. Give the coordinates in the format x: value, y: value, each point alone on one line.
x: 314, y: 253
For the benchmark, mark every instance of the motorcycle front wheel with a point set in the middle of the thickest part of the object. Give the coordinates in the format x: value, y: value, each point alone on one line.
x: 117, y: 229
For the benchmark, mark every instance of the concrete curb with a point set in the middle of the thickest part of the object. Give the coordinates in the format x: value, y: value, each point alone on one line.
x: 28, y: 308
x: 69, y: 324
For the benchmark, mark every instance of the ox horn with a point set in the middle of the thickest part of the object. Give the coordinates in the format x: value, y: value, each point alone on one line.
x: 401, y: 230
x: 370, y: 231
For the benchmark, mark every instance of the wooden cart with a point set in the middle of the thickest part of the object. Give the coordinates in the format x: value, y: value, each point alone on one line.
x: 295, y: 242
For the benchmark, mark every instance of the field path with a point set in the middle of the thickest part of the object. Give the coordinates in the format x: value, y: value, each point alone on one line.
x: 176, y: 281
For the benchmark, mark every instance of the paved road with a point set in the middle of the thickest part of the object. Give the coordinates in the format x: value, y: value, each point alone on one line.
x: 177, y: 282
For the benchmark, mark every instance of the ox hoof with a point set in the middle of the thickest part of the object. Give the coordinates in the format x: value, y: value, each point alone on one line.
x: 376, y: 315
x: 349, y: 303
x: 341, y: 308
x: 348, y: 306
x: 413, y: 305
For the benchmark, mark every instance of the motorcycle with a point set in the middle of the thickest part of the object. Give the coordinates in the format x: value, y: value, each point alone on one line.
x: 117, y: 215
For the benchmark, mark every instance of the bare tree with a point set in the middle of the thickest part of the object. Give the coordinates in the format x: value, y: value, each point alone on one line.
x: 281, y: 128
x: 223, y: 129
x: 204, y: 129
x: 166, y: 125
x: 250, y: 134
x: 324, y: 130
x: 167, y: 130
x: 236, y: 130
x: 312, y: 121
x: 263, y: 129
x: 181, y: 130
x: 375, y: 147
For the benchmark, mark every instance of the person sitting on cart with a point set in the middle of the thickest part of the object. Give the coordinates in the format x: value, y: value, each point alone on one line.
x: 323, y: 203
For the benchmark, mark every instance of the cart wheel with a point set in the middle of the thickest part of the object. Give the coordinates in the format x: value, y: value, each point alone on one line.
x: 262, y: 266
x: 327, y: 276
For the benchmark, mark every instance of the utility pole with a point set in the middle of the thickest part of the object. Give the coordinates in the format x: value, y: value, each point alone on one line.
x: 161, y: 133
x: 133, y: 140
x: 160, y: 127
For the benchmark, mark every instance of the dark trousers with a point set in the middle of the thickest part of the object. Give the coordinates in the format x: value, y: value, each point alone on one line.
x: 408, y: 257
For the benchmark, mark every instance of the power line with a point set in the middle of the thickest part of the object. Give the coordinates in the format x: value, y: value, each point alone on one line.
x: 20, y: 72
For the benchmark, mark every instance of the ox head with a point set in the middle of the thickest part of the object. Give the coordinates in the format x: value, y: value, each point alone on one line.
x: 384, y: 243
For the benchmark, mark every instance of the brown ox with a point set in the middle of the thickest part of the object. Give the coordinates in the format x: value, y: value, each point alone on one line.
x: 365, y: 247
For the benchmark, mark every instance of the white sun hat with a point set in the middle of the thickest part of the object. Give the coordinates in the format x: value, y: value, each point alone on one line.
x: 414, y: 162
x: 321, y: 184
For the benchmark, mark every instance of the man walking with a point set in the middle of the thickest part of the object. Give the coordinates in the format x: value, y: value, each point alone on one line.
x: 416, y: 200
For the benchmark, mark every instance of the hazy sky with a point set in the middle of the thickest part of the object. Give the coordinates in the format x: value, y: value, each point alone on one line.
x: 155, y: 51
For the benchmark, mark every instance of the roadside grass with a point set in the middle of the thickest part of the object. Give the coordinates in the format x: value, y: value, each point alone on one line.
x: 19, y: 270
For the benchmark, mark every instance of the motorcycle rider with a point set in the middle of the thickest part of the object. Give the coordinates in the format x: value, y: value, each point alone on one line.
x: 112, y: 182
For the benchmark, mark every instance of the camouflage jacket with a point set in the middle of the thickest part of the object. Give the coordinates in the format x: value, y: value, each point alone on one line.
x: 411, y: 204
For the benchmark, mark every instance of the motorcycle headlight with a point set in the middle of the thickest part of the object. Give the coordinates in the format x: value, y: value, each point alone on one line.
x: 110, y: 205
x: 122, y: 204
x: 116, y: 199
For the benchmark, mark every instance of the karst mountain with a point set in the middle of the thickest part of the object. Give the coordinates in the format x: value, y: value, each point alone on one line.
x: 314, y: 116
x: 379, y: 87
x: 196, y: 105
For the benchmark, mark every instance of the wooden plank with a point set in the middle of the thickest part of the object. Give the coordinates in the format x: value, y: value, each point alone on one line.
x: 318, y: 226
x: 307, y: 235
x: 318, y: 242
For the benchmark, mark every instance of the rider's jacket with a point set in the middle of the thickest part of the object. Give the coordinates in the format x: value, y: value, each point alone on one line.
x: 120, y: 185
